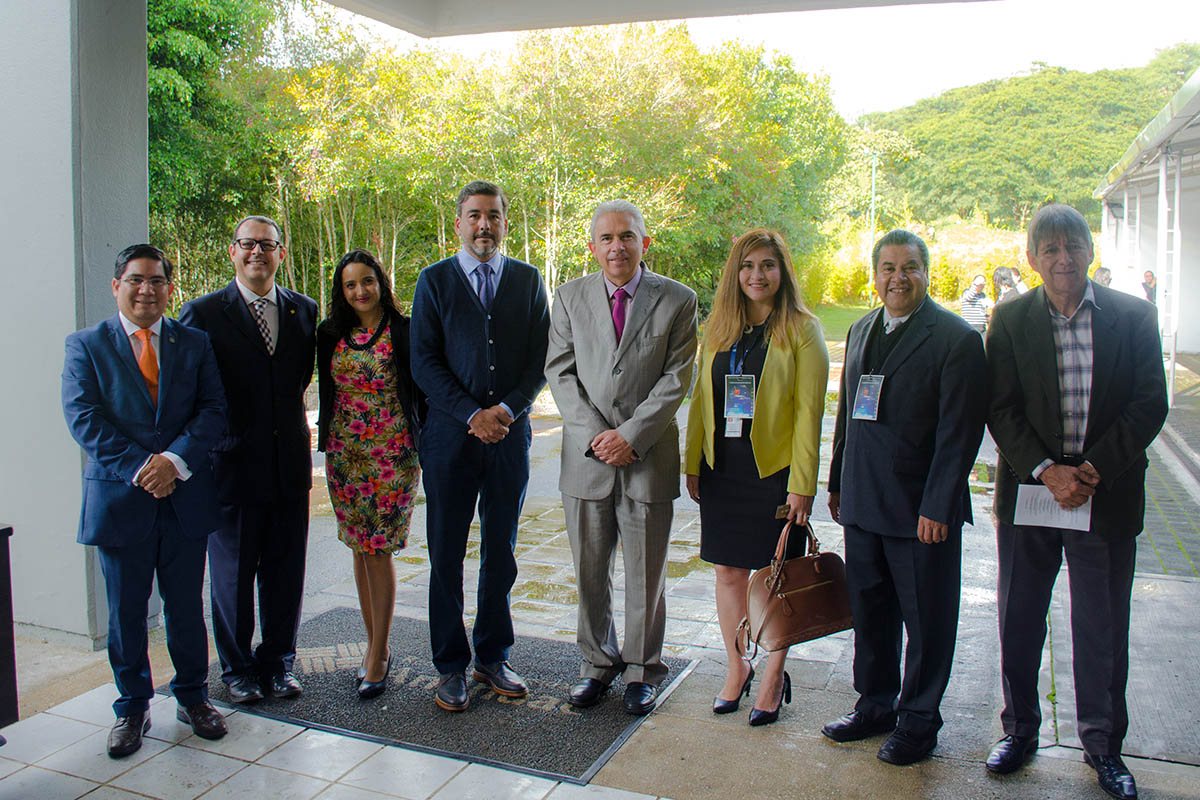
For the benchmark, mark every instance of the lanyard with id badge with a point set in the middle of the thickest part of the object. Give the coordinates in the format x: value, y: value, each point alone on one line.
x: 739, y: 392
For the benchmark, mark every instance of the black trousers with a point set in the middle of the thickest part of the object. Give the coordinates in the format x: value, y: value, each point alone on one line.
x: 263, y: 544
x: 899, y: 585
x: 459, y: 472
x: 1100, y: 572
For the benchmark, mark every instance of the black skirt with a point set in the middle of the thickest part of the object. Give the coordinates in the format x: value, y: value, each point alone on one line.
x: 737, y: 508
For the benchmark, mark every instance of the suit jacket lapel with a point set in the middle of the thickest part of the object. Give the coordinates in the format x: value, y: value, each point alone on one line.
x: 287, y: 315
x: 120, y: 343
x: 166, y: 360
x: 1106, y: 341
x: 648, y: 292
x: 239, y: 314
x: 595, y: 299
x: 919, y: 327
x: 856, y: 349
x: 1039, y: 346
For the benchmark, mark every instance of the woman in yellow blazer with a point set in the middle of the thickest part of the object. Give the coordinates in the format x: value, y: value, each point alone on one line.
x: 753, y: 439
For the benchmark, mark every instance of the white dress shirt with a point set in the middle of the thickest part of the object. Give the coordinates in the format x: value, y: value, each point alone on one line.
x: 271, y: 312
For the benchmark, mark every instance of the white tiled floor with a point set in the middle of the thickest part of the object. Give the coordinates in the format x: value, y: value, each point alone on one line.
x: 60, y: 754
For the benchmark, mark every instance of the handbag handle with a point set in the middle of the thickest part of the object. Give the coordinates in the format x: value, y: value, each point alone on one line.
x: 781, y: 547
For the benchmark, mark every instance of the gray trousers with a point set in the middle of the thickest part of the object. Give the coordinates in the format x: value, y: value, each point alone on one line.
x: 643, y: 530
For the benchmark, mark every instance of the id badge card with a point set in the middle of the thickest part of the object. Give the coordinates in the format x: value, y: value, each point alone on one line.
x: 866, y: 399
x: 739, y: 403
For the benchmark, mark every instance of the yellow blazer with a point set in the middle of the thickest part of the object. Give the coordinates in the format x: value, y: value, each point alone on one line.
x: 789, y: 403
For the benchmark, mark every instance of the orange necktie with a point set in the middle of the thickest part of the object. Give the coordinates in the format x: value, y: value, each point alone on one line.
x: 148, y: 363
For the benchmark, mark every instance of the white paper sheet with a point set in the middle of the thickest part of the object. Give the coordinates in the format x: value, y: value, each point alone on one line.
x: 1036, y: 506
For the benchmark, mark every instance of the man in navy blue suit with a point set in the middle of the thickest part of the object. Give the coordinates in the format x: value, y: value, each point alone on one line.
x: 910, y: 417
x: 479, y: 327
x: 264, y: 337
x: 142, y: 396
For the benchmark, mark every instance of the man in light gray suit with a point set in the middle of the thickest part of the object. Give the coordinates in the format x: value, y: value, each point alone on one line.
x: 622, y: 347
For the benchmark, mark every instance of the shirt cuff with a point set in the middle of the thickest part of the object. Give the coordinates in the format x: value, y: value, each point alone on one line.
x: 181, y: 468
x: 473, y: 415
x: 507, y: 410
x: 1042, y: 467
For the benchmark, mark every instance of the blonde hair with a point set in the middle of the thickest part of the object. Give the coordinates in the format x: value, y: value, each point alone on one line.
x: 730, y: 315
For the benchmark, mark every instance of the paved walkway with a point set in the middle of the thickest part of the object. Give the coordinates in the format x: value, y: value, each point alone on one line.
x: 682, y: 751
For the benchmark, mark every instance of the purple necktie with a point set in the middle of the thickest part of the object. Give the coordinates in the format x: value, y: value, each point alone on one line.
x: 486, y: 295
x: 618, y: 311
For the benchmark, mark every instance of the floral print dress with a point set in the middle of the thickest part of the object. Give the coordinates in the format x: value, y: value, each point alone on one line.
x: 371, y: 464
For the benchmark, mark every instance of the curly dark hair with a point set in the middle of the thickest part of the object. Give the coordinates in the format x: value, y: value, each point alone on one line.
x: 345, y: 318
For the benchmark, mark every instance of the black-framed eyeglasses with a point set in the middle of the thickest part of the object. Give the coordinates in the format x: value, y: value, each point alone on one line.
x: 267, y: 245
x: 137, y: 281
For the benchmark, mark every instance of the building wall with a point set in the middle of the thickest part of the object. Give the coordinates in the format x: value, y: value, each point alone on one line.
x: 74, y: 192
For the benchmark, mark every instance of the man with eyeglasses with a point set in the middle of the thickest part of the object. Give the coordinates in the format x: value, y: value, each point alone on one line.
x: 264, y: 338
x: 142, y: 396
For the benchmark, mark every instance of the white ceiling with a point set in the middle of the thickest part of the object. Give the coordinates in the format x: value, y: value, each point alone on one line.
x: 430, y: 18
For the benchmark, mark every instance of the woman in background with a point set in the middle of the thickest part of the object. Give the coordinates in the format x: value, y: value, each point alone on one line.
x: 764, y: 356
x: 367, y: 427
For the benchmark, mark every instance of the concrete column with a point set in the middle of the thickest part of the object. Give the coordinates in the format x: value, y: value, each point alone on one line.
x: 74, y: 191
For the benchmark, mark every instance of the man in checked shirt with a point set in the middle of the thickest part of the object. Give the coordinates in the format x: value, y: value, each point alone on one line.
x: 1078, y: 394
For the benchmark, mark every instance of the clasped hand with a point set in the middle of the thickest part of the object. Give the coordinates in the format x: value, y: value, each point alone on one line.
x: 490, y: 424
x: 158, y: 476
x: 1071, y: 486
x: 611, y: 448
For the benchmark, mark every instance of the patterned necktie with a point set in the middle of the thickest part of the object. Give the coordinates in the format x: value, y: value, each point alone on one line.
x: 148, y: 363
x: 486, y: 294
x: 259, y: 307
x: 618, y: 311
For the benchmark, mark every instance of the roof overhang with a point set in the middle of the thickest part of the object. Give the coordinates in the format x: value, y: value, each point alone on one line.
x: 432, y: 18
x: 1175, y: 129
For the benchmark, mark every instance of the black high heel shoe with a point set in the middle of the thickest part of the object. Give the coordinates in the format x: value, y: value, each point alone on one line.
x: 723, y: 706
x: 368, y: 689
x: 361, y: 675
x: 758, y: 717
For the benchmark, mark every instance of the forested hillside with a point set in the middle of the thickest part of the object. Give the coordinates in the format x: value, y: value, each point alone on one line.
x: 1005, y: 147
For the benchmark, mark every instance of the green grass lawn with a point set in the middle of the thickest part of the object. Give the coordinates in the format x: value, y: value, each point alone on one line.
x: 837, y: 319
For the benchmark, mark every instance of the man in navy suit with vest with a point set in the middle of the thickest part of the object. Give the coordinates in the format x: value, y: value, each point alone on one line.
x: 910, y: 418
x: 479, y: 328
x: 142, y: 396
x: 264, y: 337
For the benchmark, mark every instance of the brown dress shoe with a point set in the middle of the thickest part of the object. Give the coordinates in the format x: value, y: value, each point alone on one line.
x: 206, y: 721
x: 126, y: 735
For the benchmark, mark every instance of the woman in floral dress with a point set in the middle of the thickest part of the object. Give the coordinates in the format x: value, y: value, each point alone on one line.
x: 367, y: 427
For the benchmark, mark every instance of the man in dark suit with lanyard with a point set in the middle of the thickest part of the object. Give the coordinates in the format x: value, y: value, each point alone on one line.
x: 911, y: 412
x: 142, y: 396
x: 265, y: 338
x: 479, y: 326
x: 1078, y: 394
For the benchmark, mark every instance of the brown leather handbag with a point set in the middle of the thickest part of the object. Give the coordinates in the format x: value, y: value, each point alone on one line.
x: 795, y: 600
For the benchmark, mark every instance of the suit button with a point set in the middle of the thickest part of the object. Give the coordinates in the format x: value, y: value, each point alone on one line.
x: 490, y: 391
x: 492, y: 368
x: 275, y: 433
x: 491, y: 341
x: 616, y: 371
x: 616, y: 403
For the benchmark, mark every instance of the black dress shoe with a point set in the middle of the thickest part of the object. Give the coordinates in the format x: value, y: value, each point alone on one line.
x: 1115, y: 778
x: 1010, y: 754
x: 360, y: 675
x: 761, y: 717
x: 855, y: 726
x: 640, y: 698
x: 587, y: 692
x: 368, y: 689
x: 501, y: 678
x: 903, y: 748
x: 244, y: 689
x: 451, y: 693
x: 126, y: 734
x: 723, y: 706
x: 284, y: 684
x: 206, y: 721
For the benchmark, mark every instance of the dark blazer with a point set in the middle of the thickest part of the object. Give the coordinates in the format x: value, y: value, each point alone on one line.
x: 266, y: 450
x: 455, y: 344
x: 1127, y: 410
x: 915, y: 459
x: 408, y: 395
x: 110, y: 414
